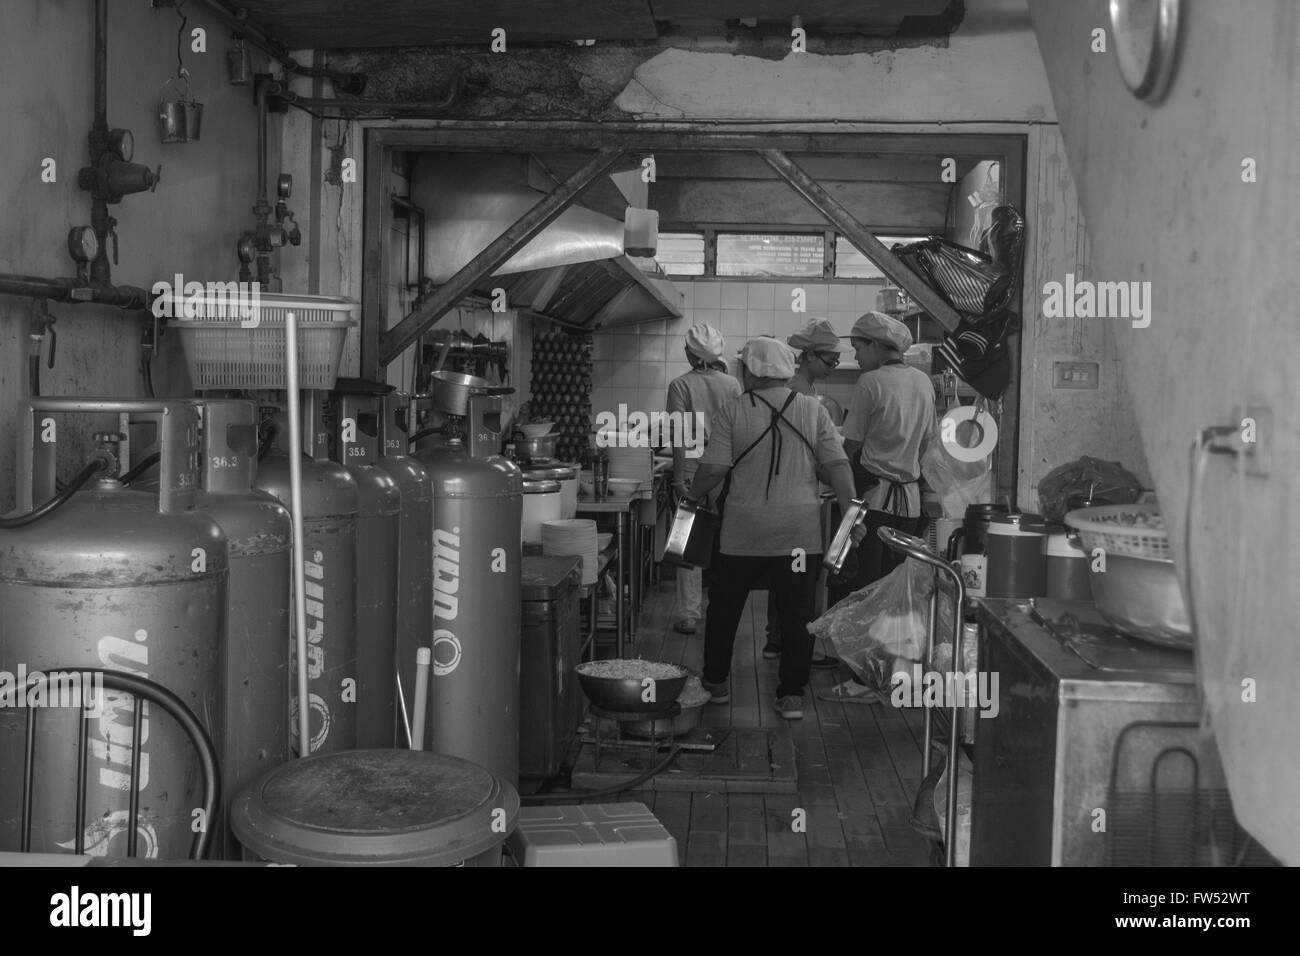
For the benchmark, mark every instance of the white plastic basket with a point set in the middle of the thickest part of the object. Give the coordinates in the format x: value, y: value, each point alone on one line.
x: 1135, y: 530
x: 226, y: 350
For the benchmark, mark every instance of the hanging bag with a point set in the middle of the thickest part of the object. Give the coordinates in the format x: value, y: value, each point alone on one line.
x: 967, y: 280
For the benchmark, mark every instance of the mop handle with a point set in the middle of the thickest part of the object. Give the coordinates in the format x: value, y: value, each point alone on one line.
x: 422, y: 658
x: 295, y: 515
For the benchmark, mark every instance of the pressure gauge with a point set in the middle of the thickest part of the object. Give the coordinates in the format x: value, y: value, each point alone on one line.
x: 246, y: 249
x: 284, y: 186
x: 83, y: 245
x: 121, y: 142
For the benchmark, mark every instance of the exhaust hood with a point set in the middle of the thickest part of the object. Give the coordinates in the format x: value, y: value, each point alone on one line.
x: 576, y: 271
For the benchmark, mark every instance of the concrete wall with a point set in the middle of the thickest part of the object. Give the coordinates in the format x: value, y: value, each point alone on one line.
x: 189, y: 225
x: 1166, y: 202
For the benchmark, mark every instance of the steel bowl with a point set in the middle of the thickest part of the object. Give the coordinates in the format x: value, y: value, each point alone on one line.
x: 541, y: 448
x: 623, y: 695
x: 1141, y: 598
x: 449, y: 392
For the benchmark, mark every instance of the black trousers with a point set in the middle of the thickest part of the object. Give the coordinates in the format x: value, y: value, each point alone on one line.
x: 733, y: 578
x: 872, y: 559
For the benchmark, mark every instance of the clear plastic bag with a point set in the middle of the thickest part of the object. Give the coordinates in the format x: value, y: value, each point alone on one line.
x: 957, y: 483
x: 883, y: 628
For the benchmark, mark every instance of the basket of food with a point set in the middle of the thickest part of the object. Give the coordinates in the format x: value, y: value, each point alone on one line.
x: 233, y: 342
x: 1136, y: 588
x: 631, y: 686
x: 1135, y: 531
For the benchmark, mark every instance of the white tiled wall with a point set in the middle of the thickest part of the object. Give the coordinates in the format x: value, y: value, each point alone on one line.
x: 634, y: 365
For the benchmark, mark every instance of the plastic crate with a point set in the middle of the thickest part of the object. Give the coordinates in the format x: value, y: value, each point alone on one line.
x: 1123, y: 529
x: 606, y: 834
x: 225, y: 350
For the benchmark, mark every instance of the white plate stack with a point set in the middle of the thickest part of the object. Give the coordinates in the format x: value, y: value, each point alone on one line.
x: 573, y: 536
x: 625, y: 462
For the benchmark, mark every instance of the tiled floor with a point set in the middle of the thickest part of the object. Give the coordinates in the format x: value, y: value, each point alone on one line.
x: 858, y: 766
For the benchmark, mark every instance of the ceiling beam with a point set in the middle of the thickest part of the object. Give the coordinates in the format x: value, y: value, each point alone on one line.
x: 397, y: 339
x: 861, y: 238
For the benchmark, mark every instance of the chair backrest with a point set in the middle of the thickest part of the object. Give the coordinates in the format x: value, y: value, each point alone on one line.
x: 141, y: 689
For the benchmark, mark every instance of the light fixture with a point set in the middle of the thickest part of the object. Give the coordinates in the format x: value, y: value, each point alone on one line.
x: 1146, y: 44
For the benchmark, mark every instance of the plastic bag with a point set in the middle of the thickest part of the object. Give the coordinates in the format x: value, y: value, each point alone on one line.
x: 957, y: 483
x: 1104, y: 482
x: 884, y: 627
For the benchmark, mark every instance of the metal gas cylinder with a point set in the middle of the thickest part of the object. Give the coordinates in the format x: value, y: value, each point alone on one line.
x: 474, y: 691
x: 121, y: 579
x: 414, y: 547
x: 329, y: 500
x: 254, y: 736
x: 355, y: 445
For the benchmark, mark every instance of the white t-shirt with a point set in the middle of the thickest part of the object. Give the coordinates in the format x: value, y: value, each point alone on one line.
x: 892, y: 414
x: 700, y: 390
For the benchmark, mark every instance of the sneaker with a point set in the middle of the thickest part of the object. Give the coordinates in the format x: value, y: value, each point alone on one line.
x: 790, y: 707
x: 721, y: 692
x: 771, y: 651
x: 825, y: 661
x: 685, y: 626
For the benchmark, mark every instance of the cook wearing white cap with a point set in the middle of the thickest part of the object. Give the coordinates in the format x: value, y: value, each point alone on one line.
x: 890, y: 422
x: 769, y: 444
x: 703, y: 389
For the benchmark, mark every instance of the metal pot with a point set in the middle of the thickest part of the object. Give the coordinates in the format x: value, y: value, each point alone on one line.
x: 1141, y: 597
x: 624, y: 695
x: 449, y: 392
x: 536, y: 449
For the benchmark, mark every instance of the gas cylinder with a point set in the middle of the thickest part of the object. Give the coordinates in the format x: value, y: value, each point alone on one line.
x: 379, y: 509
x: 121, y: 579
x: 254, y: 736
x: 329, y: 501
x: 477, y: 508
x: 414, y: 548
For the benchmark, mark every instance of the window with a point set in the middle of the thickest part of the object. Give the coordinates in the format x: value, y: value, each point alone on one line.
x: 852, y: 264
x: 681, y: 253
x: 752, y: 254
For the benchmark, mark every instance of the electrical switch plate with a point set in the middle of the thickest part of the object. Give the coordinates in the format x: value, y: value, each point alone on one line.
x: 1075, y: 374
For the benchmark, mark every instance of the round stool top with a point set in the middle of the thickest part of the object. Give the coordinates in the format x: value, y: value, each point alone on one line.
x: 375, y: 808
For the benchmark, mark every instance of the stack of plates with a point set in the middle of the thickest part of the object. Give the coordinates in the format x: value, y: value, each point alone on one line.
x: 626, y: 462
x: 576, y: 536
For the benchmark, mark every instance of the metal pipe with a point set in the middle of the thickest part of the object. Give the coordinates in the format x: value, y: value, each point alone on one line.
x: 405, y: 108
x: 74, y: 291
x: 296, y: 521
x: 861, y: 237
x: 261, y: 139
x: 278, y: 52
x: 101, y: 66
x: 397, y: 339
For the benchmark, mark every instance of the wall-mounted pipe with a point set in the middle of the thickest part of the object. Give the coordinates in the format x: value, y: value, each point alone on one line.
x: 351, y: 83
x: 74, y: 291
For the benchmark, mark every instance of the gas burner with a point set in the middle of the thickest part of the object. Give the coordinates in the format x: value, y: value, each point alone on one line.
x: 619, y: 718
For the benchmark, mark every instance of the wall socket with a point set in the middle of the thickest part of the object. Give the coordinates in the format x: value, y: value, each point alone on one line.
x: 1256, y: 424
x: 1075, y: 374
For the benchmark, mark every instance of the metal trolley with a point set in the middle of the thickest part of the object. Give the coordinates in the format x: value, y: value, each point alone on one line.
x: 913, y: 547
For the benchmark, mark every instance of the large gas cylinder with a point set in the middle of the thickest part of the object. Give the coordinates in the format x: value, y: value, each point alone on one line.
x: 329, y: 501
x: 379, y: 510
x: 254, y: 736
x: 120, y: 579
x: 474, y: 688
x: 414, y: 550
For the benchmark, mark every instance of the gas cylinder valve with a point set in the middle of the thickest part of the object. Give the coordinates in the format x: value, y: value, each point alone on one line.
x: 108, y: 452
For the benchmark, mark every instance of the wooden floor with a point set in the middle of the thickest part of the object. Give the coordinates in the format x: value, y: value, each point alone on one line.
x: 858, y: 766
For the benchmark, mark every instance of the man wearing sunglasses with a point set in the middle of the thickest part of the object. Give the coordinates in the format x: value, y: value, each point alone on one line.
x: 819, y: 354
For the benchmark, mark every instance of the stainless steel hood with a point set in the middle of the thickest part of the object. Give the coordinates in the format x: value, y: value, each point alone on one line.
x: 575, y: 271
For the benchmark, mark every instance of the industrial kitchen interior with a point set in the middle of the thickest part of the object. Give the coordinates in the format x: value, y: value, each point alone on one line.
x: 648, y: 433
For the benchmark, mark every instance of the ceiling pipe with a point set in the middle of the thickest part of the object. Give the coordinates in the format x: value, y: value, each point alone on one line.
x: 404, y: 108
x: 351, y: 83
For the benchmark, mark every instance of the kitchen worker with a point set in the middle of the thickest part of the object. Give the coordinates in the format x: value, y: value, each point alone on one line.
x: 769, y: 445
x: 890, y: 423
x: 819, y: 354
x: 704, y: 389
